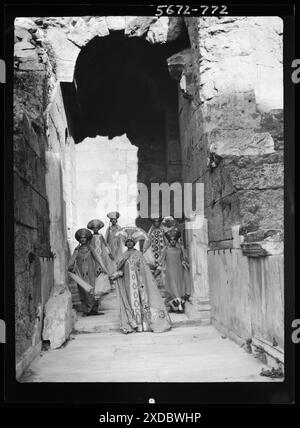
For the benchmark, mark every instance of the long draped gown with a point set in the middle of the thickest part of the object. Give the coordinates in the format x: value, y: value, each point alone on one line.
x: 157, y: 241
x: 176, y: 278
x: 101, y: 248
x: 140, y: 303
x: 115, y: 243
x: 85, y: 263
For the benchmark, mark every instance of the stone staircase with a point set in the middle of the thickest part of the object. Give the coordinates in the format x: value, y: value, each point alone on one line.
x: 110, y: 320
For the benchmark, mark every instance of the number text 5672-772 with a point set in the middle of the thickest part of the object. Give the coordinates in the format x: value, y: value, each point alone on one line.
x: 188, y: 10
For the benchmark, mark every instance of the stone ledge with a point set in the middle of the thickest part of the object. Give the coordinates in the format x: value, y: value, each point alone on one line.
x: 274, y: 355
x: 253, y: 249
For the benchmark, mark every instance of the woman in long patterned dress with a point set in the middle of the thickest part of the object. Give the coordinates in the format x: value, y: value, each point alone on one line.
x: 174, y: 263
x: 156, y: 243
x: 140, y: 303
x: 156, y: 240
x: 86, y: 264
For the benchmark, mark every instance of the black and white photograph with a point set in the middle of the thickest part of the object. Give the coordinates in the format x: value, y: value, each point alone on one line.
x: 148, y: 186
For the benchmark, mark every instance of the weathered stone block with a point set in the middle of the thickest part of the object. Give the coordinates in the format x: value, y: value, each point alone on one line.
x: 240, y: 143
x: 22, y: 33
x: 231, y: 110
x: 267, y: 175
x: 33, y: 65
x: 137, y: 26
x: 26, y: 23
x: 115, y: 23
x: 218, y: 184
x: 28, y: 166
x: 66, y: 52
x: 26, y: 55
x: 253, y: 249
x: 26, y: 87
x: 261, y: 209
x: 165, y: 29
x: 26, y: 297
x: 24, y: 209
x: 58, y: 321
x: 99, y: 25
x: 82, y: 33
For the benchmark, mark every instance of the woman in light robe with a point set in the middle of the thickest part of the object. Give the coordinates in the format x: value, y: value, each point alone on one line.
x: 140, y: 303
x: 86, y: 263
x: 175, y: 266
x: 100, y: 245
x: 114, y: 242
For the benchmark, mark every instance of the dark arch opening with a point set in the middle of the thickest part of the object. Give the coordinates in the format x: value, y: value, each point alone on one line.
x: 122, y: 86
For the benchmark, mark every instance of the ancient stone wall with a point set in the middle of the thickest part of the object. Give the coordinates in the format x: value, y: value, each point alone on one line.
x: 231, y: 117
x: 173, y: 146
x: 40, y: 129
x: 231, y: 125
x: 230, y: 111
x: 32, y: 240
x: 59, y: 195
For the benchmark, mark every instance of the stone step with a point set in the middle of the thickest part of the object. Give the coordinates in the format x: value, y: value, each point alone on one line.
x: 203, y: 306
x: 109, y: 321
x: 104, y: 323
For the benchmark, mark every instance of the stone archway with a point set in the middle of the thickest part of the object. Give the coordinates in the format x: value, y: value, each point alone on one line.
x: 67, y: 36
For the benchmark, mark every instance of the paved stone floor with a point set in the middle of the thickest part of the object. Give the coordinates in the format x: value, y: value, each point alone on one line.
x: 98, y: 352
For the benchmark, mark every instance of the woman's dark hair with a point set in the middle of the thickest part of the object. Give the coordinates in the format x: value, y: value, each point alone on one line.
x: 130, y: 239
x: 173, y: 234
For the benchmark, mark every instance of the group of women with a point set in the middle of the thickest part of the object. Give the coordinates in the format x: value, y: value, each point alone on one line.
x: 109, y: 262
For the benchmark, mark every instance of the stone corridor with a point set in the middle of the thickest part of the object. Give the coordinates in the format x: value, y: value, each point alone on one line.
x: 201, y: 101
x: 98, y: 352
